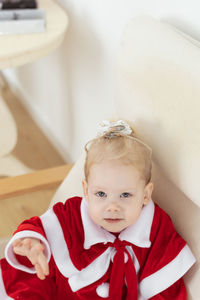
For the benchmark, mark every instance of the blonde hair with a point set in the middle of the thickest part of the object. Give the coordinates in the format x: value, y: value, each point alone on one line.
x: 116, y: 146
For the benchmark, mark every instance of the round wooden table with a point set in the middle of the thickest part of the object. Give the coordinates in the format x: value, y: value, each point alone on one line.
x: 20, y: 49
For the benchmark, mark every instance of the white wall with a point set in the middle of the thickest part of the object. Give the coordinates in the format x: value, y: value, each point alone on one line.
x: 71, y: 90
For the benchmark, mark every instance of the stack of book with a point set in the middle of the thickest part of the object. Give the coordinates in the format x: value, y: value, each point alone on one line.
x: 21, y: 16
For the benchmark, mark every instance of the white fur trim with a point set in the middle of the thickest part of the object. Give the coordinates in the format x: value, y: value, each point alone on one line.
x: 57, y: 243
x: 140, y: 297
x: 92, y: 272
x: 3, y: 294
x: 139, y: 232
x: 10, y: 256
x: 132, y: 254
x: 77, y: 279
x: 94, y: 234
x: 169, y: 274
x: 103, y: 290
x: 125, y: 258
x: 134, y: 258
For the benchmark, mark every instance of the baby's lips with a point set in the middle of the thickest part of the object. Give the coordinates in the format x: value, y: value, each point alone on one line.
x: 113, y: 217
x: 113, y: 220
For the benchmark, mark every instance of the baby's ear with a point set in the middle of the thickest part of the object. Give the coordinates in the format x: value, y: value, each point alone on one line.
x: 85, y: 188
x: 148, y: 192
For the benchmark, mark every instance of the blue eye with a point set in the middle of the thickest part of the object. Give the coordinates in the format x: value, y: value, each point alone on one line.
x: 125, y: 195
x: 100, y: 194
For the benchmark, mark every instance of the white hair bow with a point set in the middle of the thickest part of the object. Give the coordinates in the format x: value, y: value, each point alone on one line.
x: 114, y: 128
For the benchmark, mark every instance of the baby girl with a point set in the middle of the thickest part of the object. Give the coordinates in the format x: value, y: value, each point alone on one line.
x: 114, y: 243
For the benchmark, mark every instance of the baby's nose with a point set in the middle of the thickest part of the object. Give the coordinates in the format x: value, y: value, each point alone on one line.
x: 113, y: 206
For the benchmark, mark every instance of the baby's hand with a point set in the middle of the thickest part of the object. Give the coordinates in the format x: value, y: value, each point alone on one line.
x: 33, y: 250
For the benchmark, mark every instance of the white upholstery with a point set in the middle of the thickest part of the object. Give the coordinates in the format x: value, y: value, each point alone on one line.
x: 158, y: 81
x: 157, y: 91
x: 71, y: 186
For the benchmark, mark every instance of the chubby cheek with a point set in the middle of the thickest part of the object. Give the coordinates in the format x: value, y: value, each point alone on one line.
x: 95, y: 213
x: 132, y: 215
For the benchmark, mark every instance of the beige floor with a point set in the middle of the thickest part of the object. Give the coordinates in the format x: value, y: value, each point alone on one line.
x: 33, y: 149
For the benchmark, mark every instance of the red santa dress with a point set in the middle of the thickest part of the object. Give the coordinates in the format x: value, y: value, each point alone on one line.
x: 145, y: 261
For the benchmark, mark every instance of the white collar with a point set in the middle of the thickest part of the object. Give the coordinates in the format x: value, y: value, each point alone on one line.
x: 137, y: 234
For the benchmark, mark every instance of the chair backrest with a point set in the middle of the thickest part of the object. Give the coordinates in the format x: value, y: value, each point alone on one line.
x: 71, y: 186
x: 158, y: 91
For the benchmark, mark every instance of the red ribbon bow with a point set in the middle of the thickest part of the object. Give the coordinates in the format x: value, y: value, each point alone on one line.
x: 122, y: 273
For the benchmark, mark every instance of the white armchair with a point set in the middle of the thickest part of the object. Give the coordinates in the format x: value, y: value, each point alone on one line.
x: 158, y: 91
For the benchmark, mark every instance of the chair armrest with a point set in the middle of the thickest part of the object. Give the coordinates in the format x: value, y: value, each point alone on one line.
x: 32, y: 182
